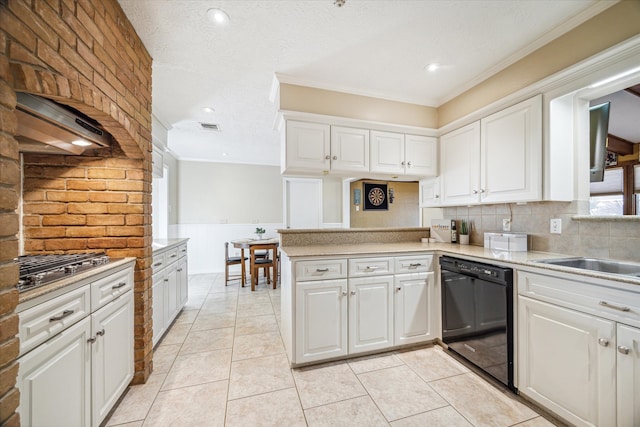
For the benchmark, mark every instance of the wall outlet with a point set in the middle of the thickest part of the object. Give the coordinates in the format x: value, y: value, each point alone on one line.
x: 556, y: 226
x: 506, y: 224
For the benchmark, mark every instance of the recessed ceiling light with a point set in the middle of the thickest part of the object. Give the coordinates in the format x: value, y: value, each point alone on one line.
x: 224, y: 154
x: 432, y: 67
x: 208, y: 109
x: 81, y: 143
x: 217, y: 16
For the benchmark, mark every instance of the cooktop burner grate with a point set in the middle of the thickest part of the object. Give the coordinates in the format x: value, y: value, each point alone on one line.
x: 37, y: 270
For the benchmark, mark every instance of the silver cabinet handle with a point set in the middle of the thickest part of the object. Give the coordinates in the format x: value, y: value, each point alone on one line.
x: 157, y: 264
x: 344, y: 293
x: 353, y: 292
x: 64, y: 314
x: 623, y: 350
x: 322, y: 270
x: 437, y: 196
x: 119, y: 285
x: 101, y: 332
x: 179, y: 270
x: 174, y: 255
x: 166, y: 280
x: 403, y: 163
x: 371, y: 268
x: 482, y: 190
x: 475, y: 191
x: 335, y: 157
x: 327, y: 157
x: 91, y: 340
x: 415, y: 265
x: 398, y: 289
x: 615, y: 307
x: 603, y: 342
x: 409, y: 164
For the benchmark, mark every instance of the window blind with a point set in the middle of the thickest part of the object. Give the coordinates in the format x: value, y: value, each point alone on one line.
x: 612, y: 183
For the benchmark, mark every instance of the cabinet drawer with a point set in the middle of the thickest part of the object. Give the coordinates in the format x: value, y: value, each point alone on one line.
x: 158, y: 262
x: 360, y: 267
x: 414, y: 264
x: 600, y: 300
x: 39, y: 323
x: 110, y: 287
x: 171, y: 256
x: 182, y: 250
x: 321, y: 269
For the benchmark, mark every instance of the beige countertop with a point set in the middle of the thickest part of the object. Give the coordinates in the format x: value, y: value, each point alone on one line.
x: 160, y: 245
x: 485, y: 254
x: 68, y: 283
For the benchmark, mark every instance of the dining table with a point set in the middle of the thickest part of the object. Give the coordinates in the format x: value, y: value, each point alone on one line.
x: 246, y: 243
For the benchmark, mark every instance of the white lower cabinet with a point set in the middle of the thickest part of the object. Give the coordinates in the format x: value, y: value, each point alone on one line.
x: 365, y: 310
x: 112, y: 359
x: 170, y: 290
x: 565, y: 364
x: 579, y: 348
x: 413, y: 316
x: 321, y: 330
x: 75, y: 375
x: 55, y: 380
x: 628, y: 379
x: 370, y: 313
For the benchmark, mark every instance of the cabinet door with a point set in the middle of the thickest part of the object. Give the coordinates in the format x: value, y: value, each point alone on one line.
x: 387, y: 152
x: 421, y: 155
x: 321, y: 320
x: 112, y: 369
x: 172, y: 292
x: 414, y: 312
x: 566, y: 362
x: 349, y: 149
x: 159, y: 296
x: 511, y: 144
x: 460, y: 165
x: 307, y: 146
x: 183, y: 283
x: 628, y: 346
x: 429, y: 192
x: 370, y: 313
x: 55, y: 380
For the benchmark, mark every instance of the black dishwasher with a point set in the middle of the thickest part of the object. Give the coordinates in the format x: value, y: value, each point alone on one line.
x: 477, y: 315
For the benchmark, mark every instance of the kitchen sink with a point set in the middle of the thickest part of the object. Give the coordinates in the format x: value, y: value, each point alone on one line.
x: 594, y: 264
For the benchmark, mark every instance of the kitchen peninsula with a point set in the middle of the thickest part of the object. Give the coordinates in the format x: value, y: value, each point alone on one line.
x: 344, y: 294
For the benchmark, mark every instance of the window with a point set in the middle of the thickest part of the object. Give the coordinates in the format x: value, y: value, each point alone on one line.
x: 607, y: 197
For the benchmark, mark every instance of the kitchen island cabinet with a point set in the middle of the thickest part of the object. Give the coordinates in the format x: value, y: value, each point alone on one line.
x: 333, y: 308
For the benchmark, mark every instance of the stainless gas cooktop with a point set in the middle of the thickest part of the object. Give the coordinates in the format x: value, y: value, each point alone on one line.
x: 38, y: 270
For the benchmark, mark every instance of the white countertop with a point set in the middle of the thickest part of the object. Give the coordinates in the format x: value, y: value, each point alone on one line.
x: 490, y: 255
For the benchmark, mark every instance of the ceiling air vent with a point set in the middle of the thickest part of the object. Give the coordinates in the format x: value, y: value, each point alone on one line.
x: 210, y: 126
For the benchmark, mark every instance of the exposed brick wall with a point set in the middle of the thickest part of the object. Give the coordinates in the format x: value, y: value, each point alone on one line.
x: 86, y: 54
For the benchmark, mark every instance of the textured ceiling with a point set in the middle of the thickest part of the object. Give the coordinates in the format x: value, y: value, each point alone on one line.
x: 371, y: 47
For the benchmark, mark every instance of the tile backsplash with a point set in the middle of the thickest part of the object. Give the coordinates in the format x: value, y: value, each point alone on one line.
x: 616, y: 237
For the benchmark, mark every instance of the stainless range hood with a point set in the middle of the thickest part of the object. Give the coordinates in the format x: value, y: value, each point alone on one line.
x: 47, y: 127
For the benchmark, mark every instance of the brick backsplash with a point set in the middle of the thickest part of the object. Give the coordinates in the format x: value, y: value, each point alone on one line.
x: 617, y: 238
x: 85, y: 54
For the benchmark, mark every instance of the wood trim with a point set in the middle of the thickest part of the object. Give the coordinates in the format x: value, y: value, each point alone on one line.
x: 634, y: 90
x: 619, y: 145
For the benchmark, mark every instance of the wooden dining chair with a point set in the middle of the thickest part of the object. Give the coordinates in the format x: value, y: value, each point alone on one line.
x: 270, y: 263
x: 233, y: 260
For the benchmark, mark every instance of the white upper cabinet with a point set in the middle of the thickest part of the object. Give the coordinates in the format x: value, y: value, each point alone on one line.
x: 400, y: 154
x: 349, y: 149
x: 429, y: 192
x: 495, y: 160
x: 460, y: 165
x: 511, y: 143
x: 307, y: 147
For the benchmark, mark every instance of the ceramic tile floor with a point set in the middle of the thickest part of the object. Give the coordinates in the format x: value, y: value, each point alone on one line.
x: 223, y: 363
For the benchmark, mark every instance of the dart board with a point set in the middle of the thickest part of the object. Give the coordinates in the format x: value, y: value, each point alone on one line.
x: 375, y: 196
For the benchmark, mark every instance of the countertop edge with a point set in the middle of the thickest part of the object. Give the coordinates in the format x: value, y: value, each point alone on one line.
x: 525, y: 259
